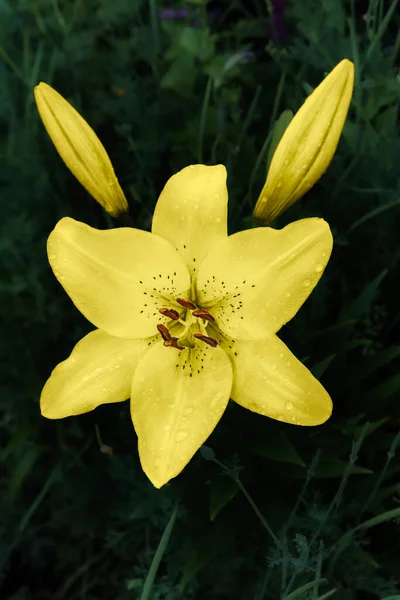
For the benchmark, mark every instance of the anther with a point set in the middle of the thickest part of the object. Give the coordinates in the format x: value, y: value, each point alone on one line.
x: 171, y: 313
x: 203, y: 314
x: 186, y: 303
x: 165, y: 334
x: 207, y: 340
x: 173, y: 343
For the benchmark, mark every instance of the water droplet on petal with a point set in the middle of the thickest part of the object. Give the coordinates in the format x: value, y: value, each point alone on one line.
x: 167, y: 428
x: 289, y: 405
x: 181, y: 436
x: 306, y: 282
x: 318, y: 268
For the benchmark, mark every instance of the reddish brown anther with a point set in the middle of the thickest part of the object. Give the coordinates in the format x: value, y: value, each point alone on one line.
x: 186, y: 303
x: 203, y: 314
x: 171, y: 313
x: 173, y: 343
x: 207, y: 340
x: 165, y: 334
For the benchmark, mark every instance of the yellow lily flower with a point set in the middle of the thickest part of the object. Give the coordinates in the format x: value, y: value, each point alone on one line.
x: 186, y: 318
x: 80, y: 149
x: 308, y: 144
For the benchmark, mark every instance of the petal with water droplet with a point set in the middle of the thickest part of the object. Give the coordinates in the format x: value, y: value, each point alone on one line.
x: 117, y: 278
x: 190, y: 391
x: 255, y: 281
x: 191, y: 211
x: 88, y: 378
x: 287, y: 393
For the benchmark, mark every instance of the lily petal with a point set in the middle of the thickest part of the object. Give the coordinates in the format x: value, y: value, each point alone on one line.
x: 80, y: 149
x: 268, y: 379
x: 256, y: 280
x: 117, y: 278
x: 308, y: 144
x: 176, y: 402
x: 99, y: 371
x: 191, y: 211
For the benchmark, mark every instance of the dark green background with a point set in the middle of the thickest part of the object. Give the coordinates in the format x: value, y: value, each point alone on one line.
x: 78, y: 523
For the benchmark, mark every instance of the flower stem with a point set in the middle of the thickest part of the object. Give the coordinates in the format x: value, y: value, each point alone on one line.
x: 256, y: 510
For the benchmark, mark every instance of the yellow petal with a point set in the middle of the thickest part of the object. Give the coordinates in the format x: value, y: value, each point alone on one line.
x: 99, y: 371
x: 80, y: 149
x: 256, y: 280
x: 269, y: 380
x: 191, y: 211
x: 177, y: 400
x: 118, y: 278
x: 308, y: 144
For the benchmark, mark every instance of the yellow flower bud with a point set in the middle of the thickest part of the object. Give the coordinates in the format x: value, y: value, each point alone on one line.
x: 80, y: 149
x: 308, y: 144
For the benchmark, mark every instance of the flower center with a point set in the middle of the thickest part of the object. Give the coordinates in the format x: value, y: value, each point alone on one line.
x: 194, y: 322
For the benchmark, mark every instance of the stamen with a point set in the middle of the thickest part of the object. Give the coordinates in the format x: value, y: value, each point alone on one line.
x: 207, y: 340
x: 203, y: 314
x: 165, y: 334
x: 171, y: 313
x: 173, y: 343
x: 186, y: 303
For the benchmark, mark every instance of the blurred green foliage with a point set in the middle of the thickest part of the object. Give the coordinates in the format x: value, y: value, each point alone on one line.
x: 164, y: 85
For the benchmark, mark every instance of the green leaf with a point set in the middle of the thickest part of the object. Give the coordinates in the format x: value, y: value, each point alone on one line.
x: 373, y: 213
x: 23, y: 468
x: 362, y: 304
x: 217, y: 536
x: 328, y: 467
x: 181, y: 75
x: 276, y: 446
x: 370, y: 364
x: 162, y: 546
x: 299, y: 592
x: 196, y: 42
x: 351, y: 427
x: 384, y: 390
x: 344, y: 541
x: 319, y: 369
x: 222, y: 491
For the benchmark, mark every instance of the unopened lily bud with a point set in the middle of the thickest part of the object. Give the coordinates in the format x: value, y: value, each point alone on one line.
x: 308, y: 144
x: 80, y: 149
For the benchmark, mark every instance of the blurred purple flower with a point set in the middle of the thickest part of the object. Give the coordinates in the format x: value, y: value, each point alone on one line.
x: 170, y: 14
x: 279, y: 31
x: 246, y: 55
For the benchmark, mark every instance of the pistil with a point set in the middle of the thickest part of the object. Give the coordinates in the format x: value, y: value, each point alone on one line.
x: 186, y: 337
